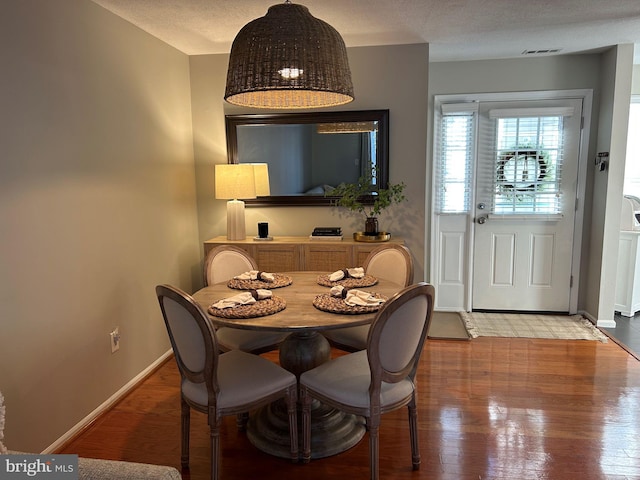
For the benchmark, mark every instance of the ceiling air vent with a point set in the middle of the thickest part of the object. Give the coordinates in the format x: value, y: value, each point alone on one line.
x: 541, y: 51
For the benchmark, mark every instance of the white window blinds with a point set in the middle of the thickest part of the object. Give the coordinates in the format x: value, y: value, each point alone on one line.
x: 455, y: 158
x: 528, y: 161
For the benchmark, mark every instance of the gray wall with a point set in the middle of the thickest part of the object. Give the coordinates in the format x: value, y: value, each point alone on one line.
x: 377, y: 86
x: 635, y: 80
x: 613, y: 120
x: 97, y: 206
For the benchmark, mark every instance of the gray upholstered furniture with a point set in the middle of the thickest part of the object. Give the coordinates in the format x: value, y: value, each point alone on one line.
x: 391, y: 262
x: 96, y: 469
x: 222, y: 264
x: 379, y: 379
x: 219, y: 384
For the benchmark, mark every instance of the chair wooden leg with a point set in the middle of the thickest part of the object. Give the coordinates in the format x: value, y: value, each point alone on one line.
x: 305, y: 400
x: 214, y: 430
x: 292, y: 409
x: 413, y: 431
x: 185, y: 422
x: 373, y: 451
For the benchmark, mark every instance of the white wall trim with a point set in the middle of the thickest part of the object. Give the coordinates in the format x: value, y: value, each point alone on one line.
x: 606, y: 324
x: 107, y: 404
x: 598, y: 323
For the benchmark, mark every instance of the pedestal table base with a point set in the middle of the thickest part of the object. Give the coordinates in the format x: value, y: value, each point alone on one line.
x: 332, y: 431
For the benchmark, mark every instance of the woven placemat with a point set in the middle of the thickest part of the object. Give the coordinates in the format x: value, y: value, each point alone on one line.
x: 348, y: 282
x: 261, y: 308
x: 328, y: 303
x: 279, y: 280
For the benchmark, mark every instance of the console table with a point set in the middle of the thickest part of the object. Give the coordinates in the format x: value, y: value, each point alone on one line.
x: 285, y: 254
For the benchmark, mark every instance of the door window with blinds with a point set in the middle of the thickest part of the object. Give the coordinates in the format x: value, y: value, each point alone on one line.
x: 528, y: 161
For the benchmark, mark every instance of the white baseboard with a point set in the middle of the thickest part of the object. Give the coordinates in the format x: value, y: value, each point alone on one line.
x: 606, y: 324
x: 107, y: 404
x: 599, y: 323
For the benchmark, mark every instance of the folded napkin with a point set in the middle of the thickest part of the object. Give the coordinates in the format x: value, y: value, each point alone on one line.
x: 339, y: 291
x: 362, y: 298
x: 355, y: 297
x: 356, y: 272
x: 244, y: 298
x: 256, y: 275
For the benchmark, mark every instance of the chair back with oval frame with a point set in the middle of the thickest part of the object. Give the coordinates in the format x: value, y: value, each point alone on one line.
x: 221, y: 264
x: 391, y: 262
x: 379, y: 379
x: 225, y: 262
x: 215, y: 384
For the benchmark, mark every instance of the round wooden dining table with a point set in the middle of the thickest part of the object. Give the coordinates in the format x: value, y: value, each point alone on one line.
x: 304, y: 348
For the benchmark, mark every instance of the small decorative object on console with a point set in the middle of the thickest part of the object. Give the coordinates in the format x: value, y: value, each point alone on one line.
x: 326, y: 233
x: 263, y: 230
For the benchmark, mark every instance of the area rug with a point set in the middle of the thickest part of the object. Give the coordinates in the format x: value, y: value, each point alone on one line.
x: 566, y: 327
x: 447, y: 326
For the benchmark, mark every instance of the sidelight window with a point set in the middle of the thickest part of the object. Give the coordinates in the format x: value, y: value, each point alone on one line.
x: 455, y: 158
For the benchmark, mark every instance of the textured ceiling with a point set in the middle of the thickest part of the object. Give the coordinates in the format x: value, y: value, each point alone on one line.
x: 455, y: 29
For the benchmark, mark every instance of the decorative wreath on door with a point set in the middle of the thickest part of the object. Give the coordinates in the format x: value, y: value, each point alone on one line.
x: 519, y: 170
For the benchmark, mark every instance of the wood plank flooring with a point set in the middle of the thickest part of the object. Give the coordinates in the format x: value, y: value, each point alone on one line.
x: 490, y: 408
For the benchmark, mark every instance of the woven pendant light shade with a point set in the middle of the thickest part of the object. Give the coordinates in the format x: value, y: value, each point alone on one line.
x: 288, y: 59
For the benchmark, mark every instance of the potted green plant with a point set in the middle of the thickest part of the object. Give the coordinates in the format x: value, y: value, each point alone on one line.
x: 364, y: 198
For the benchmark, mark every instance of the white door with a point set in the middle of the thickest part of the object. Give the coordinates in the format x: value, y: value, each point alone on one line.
x: 526, y: 181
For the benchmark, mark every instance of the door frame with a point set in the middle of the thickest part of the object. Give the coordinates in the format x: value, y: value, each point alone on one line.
x: 432, y: 254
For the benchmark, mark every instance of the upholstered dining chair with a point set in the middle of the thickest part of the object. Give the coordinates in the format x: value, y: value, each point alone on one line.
x: 219, y: 384
x: 392, y: 262
x: 222, y: 264
x: 380, y: 378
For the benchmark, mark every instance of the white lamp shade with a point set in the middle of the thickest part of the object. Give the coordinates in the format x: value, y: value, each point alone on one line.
x: 235, y: 181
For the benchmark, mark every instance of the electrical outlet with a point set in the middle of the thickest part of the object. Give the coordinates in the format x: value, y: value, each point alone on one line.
x: 115, y: 340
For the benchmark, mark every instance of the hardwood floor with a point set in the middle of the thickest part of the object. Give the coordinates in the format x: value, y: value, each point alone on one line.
x: 627, y: 333
x: 490, y: 408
